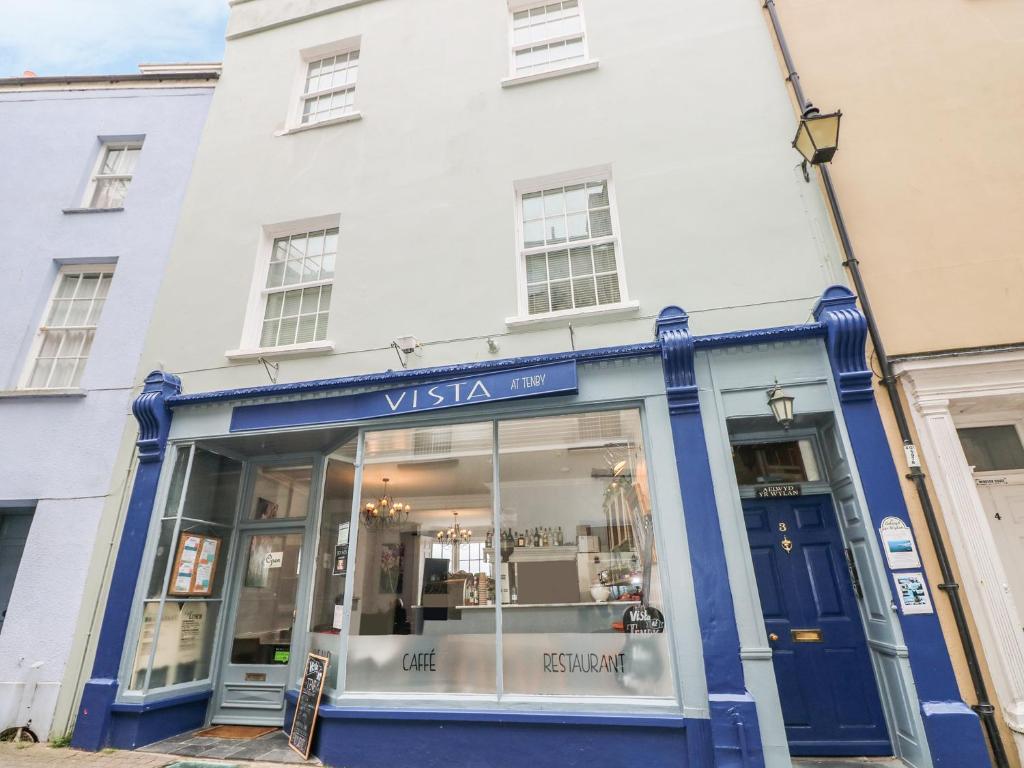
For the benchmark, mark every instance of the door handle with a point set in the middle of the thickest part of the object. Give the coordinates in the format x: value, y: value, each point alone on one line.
x: 772, y: 637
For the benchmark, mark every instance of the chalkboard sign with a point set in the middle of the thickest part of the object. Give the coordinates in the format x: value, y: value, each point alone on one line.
x: 308, y: 705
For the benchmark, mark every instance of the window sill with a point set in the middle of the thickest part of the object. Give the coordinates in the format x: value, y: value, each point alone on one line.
x: 513, y: 80
x: 289, y: 350
x: 579, y: 316
x: 351, y: 117
x: 92, y: 210
x: 64, y: 392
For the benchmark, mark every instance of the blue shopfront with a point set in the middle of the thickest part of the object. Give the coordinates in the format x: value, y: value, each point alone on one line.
x: 566, y: 559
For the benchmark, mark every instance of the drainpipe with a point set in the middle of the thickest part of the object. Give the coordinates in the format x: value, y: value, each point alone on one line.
x: 984, y: 708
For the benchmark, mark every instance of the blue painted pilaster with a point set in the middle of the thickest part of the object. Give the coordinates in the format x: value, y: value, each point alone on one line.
x: 92, y: 727
x: 953, y: 730
x: 734, y: 732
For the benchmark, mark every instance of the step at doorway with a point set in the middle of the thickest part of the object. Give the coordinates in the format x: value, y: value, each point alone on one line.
x: 847, y: 762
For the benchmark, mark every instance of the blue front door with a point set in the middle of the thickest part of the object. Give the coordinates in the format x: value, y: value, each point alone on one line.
x: 829, y: 695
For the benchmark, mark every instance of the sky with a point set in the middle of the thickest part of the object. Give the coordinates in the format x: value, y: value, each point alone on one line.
x: 92, y: 37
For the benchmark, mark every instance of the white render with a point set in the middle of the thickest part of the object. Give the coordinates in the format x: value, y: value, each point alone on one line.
x: 684, y: 103
x: 687, y: 108
x: 975, y: 389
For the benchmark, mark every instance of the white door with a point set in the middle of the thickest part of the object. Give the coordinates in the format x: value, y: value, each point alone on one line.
x: 1002, y: 494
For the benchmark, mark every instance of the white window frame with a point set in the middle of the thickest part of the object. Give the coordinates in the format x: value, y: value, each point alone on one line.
x: 41, y: 327
x: 294, y: 122
x: 584, y: 176
x: 95, y: 176
x: 253, y: 325
x: 518, y: 78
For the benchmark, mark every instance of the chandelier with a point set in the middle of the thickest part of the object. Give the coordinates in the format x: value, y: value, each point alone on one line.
x: 385, y: 512
x: 456, y: 534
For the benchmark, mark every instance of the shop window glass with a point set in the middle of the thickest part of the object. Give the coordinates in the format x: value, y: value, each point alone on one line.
x: 332, y: 562
x: 185, y: 586
x: 992, y: 449
x: 266, y: 600
x: 577, y: 551
x: 790, y: 461
x: 423, y: 623
x: 185, y: 643
x: 280, y: 492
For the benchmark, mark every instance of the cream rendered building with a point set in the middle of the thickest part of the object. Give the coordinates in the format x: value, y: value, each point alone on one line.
x: 930, y: 174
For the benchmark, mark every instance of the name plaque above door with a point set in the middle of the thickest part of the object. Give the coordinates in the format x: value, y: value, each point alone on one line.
x: 512, y: 384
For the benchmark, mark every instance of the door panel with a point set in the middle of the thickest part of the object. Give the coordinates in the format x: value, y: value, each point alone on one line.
x: 1007, y: 501
x: 256, y: 670
x: 14, y: 527
x: 830, y: 701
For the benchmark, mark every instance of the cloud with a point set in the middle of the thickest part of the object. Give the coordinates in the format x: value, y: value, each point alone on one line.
x: 63, y: 37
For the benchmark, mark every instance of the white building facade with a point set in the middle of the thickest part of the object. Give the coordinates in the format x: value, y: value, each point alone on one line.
x: 423, y: 404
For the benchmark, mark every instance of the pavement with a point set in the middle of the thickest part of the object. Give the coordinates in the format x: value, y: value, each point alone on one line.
x: 43, y: 756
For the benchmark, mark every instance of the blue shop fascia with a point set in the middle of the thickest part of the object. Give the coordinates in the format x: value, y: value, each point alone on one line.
x: 575, y: 558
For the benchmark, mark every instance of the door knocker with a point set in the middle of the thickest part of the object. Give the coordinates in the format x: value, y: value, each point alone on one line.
x: 787, y: 544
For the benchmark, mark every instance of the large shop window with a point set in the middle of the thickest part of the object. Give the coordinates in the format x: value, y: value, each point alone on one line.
x: 184, y: 594
x: 573, y: 550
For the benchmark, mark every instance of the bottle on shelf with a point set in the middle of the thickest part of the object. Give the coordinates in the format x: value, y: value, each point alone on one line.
x: 536, y: 537
x: 520, y: 541
x: 560, y: 537
x: 490, y: 540
x: 545, y: 538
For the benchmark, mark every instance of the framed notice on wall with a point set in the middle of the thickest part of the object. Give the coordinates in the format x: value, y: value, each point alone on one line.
x: 195, y: 565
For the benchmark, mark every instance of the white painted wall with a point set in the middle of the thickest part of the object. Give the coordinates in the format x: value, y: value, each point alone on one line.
x: 687, y: 107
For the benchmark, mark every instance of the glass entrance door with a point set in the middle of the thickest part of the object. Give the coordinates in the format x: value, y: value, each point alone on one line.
x: 255, y: 672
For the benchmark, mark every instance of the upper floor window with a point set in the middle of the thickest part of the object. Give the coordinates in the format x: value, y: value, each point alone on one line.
x: 547, y: 36
x: 569, y: 247
x: 65, y: 336
x: 297, y: 293
x: 108, y: 186
x: 329, y: 90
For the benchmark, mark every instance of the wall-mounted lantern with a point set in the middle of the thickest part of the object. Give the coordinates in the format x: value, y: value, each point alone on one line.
x: 817, y: 136
x: 781, y: 405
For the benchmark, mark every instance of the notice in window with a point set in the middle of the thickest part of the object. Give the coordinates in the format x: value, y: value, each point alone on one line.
x: 195, y: 565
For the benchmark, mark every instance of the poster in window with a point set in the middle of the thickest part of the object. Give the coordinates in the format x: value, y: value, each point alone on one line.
x: 195, y: 565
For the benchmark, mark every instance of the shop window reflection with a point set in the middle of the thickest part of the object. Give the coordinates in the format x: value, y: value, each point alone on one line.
x: 411, y: 624
x: 577, y: 552
x: 332, y: 562
x: 185, y: 587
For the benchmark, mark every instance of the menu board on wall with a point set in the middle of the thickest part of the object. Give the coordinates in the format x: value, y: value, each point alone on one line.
x: 306, y: 707
x: 195, y: 565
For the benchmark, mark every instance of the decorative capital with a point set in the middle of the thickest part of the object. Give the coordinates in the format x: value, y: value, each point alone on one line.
x: 153, y: 415
x: 673, y: 331
x: 846, y: 331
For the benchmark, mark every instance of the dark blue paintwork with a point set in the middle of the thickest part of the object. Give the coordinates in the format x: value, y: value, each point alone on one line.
x: 373, y: 738
x: 830, y: 700
x: 735, y: 732
x: 953, y: 730
x: 92, y: 727
x: 513, y: 384
x: 136, y: 725
x: 710, y: 341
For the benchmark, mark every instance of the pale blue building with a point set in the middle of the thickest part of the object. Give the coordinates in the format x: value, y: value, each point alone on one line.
x: 94, y: 170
